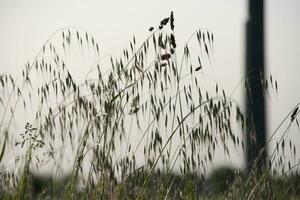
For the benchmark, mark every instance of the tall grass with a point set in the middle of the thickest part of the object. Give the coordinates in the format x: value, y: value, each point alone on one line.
x: 126, y: 132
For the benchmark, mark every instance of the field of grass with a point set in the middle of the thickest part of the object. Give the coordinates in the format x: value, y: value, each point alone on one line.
x: 140, y: 126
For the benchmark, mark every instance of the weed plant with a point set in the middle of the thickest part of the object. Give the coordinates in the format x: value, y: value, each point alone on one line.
x: 145, y: 128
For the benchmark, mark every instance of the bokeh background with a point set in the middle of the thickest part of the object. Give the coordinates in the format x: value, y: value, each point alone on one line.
x: 26, y: 25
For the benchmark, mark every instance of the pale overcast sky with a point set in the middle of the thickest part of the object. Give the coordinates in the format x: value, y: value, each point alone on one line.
x: 26, y: 25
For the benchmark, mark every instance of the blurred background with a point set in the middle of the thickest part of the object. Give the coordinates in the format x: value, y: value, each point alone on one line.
x: 26, y: 25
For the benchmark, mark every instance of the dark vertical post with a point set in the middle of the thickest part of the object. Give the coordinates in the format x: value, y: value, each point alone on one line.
x: 256, y: 129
